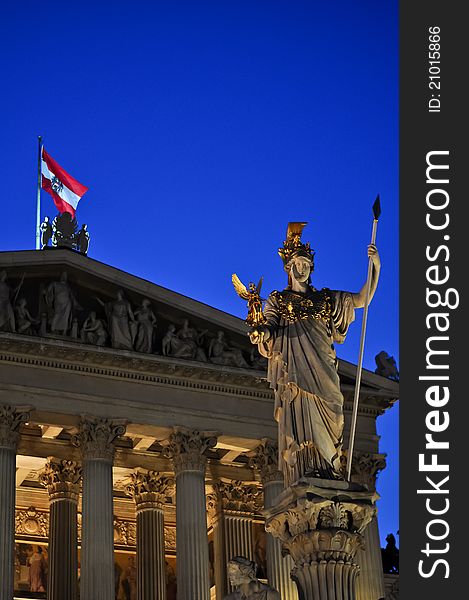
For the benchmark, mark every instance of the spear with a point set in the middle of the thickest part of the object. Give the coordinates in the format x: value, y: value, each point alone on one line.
x: 353, y: 425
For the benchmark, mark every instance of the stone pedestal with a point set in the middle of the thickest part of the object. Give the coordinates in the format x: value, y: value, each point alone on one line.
x: 265, y: 460
x: 232, y: 507
x: 62, y: 480
x: 321, y: 527
x: 187, y: 449
x: 97, y: 438
x: 11, y: 418
x: 149, y: 491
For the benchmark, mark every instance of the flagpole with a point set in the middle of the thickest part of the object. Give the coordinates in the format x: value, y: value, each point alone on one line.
x: 353, y: 425
x: 38, y: 199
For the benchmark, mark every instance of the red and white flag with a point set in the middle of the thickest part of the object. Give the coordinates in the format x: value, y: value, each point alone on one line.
x: 66, y: 191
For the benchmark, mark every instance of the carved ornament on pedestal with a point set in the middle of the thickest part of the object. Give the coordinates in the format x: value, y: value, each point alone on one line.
x: 97, y: 437
x: 62, y: 479
x: 149, y: 489
x: 187, y: 447
x: 11, y: 418
x: 322, y: 530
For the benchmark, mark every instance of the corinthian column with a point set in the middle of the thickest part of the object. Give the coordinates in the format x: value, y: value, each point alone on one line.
x: 265, y: 460
x: 149, y: 491
x: 187, y: 449
x: 10, y: 419
x: 62, y: 480
x: 232, y: 507
x: 97, y: 438
x: 370, y: 584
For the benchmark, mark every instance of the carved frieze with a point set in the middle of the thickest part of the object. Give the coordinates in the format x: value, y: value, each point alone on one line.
x: 97, y: 437
x: 187, y: 449
x: 125, y: 532
x: 170, y: 538
x: 31, y: 521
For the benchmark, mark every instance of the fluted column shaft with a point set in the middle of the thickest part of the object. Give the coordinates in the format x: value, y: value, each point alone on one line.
x: 191, y: 537
x: 62, y: 477
x: 232, y: 506
x: 265, y: 460
x: 370, y: 583
x: 10, y: 419
x: 97, y: 534
x: 7, y: 521
x: 149, y: 490
x: 278, y: 567
x: 96, y: 438
x: 187, y: 450
x: 63, y: 550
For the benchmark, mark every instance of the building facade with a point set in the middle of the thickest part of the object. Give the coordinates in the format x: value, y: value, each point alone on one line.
x: 137, y: 439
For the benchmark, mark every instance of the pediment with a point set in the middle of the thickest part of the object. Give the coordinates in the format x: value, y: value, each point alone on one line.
x: 107, y: 307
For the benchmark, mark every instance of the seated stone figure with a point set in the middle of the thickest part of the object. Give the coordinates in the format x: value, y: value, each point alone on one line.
x: 221, y: 353
x: 242, y: 574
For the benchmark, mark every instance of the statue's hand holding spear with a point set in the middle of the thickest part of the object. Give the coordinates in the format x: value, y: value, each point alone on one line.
x: 362, y: 300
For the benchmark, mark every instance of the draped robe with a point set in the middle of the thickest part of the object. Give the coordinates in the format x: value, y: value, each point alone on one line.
x: 302, y: 371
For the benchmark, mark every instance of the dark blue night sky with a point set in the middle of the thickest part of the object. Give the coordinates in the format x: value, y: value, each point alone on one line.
x: 201, y: 129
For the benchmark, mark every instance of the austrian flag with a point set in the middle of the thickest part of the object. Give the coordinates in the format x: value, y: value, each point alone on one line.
x: 66, y: 191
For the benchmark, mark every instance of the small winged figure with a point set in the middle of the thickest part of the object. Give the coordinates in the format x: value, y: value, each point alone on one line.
x: 252, y: 295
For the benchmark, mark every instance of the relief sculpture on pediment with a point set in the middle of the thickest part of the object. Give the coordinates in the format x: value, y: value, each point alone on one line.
x: 58, y: 307
x: 7, y: 317
x: 187, y: 342
x: 61, y: 304
x: 121, y: 322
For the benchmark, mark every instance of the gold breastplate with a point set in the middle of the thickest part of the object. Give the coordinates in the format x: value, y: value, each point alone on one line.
x: 293, y: 307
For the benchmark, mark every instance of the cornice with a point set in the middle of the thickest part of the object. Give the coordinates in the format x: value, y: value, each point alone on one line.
x: 152, y: 369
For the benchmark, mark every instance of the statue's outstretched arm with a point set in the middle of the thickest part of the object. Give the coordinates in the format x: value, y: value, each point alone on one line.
x: 360, y: 297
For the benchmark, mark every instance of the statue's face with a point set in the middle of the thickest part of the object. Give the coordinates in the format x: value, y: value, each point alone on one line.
x: 235, y: 575
x: 301, y: 269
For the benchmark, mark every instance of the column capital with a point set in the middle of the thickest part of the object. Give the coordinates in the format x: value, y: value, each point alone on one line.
x: 264, y: 458
x: 187, y: 449
x: 62, y: 479
x: 11, y: 418
x: 234, y: 497
x: 149, y: 489
x: 365, y: 467
x: 97, y: 437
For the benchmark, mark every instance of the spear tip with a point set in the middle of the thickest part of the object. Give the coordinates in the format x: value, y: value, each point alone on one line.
x: 376, y: 208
